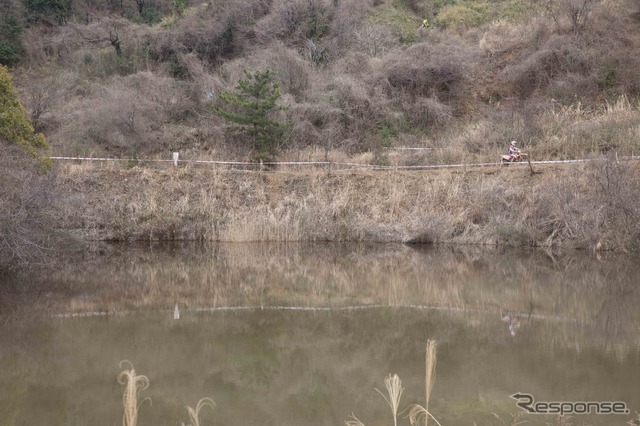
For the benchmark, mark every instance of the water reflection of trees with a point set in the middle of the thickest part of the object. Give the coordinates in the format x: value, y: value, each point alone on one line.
x: 596, y: 292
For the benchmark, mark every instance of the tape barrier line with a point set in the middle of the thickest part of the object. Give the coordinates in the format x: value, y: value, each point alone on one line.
x: 346, y: 167
x: 322, y: 309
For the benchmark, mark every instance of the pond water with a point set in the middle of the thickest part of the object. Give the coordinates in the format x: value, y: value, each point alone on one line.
x: 304, y: 334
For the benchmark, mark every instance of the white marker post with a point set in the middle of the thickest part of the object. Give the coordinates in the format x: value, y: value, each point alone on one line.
x: 176, y: 155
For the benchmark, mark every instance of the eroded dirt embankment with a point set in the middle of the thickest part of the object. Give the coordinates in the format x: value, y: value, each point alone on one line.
x: 582, y: 205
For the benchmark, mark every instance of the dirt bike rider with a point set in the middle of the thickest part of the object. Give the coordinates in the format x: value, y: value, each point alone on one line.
x: 514, y: 152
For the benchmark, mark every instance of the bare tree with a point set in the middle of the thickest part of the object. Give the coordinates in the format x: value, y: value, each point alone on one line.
x: 41, y: 91
x: 103, y: 34
x: 140, y: 4
x: 577, y: 12
x: 374, y: 39
x: 25, y: 200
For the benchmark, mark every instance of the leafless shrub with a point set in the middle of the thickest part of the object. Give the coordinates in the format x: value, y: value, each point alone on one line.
x: 51, y: 44
x: 424, y: 70
x: 292, y: 71
x: 356, y: 64
x: 317, y: 53
x: 215, y: 31
x: 212, y: 40
x: 616, y: 208
x: 129, y: 115
x: 575, y: 13
x: 375, y: 40
x: 358, y: 113
x: 191, y: 66
x: 106, y: 32
x: 424, y: 112
x: 349, y: 16
x: 42, y: 92
x: 636, y: 16
x: 587, y: 208
x: 420, y: 7
x: 559, y: 56
x: 304, y: 133
x: 316, y: 124
x: 502, y: 39
x: 295, y: 21
x: 25, y: 198
x: 415, y: 80
x: 535, y: 72
x: 90, y: 10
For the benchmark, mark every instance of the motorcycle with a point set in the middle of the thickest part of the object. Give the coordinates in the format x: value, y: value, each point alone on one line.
x: 515, y: 158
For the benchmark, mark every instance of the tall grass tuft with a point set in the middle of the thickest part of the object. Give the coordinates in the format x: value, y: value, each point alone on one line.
x: 133, y: 385
x: 355, y: 422
x: 394, y: 389
x: 430, y: 371
x: 417, y: 412
x: 194, y: 414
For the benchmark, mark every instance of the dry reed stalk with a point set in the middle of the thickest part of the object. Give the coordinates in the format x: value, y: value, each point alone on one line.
x: 417, y: 411
x: 395, y: 389
x: 515, y: 419
x: 430, y: 373
x: 133, y: 385
x: 354, y: 422
x: 194, y: 414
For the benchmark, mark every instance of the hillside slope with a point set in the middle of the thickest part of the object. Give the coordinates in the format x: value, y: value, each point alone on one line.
x: 140, y: 77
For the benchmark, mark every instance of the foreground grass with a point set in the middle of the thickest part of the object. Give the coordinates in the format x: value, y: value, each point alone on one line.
x: 134, y: 384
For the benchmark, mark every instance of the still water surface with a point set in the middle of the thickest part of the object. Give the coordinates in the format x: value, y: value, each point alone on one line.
x: 561, y: 328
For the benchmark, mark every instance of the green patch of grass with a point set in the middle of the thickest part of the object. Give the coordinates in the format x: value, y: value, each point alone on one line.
x: 403, y: 23
x: 459, y: 16
x: 470, y: 14
x: 515, y: 10
x: 177, y: 70
x: 608, y: 76
x: 383, y: 134
x: 104, y: 64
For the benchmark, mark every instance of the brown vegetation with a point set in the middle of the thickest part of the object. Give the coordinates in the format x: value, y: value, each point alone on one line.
x: 585, y: 206
x: 355, y: 75
x: 25, y: 198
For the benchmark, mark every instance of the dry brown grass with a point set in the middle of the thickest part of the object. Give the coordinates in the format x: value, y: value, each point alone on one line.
x: 554, y: 208
x: 418, y: 412
x: 194, y: 413
x: 134, y: 384
x: 394, y: 390
x: 26, y: 200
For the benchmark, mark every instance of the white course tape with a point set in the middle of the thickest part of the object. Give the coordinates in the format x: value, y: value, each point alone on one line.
x: 345, y: 167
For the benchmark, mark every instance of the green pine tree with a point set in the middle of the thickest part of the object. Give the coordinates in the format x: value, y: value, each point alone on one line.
x: 51, y: 11
x: 10, y: 42
x: 250, y: 107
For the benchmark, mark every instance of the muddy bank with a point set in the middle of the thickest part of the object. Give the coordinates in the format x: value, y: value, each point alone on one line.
x: 585, y: 206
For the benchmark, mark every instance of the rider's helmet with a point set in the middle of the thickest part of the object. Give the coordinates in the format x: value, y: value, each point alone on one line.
x: 514, y: 143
